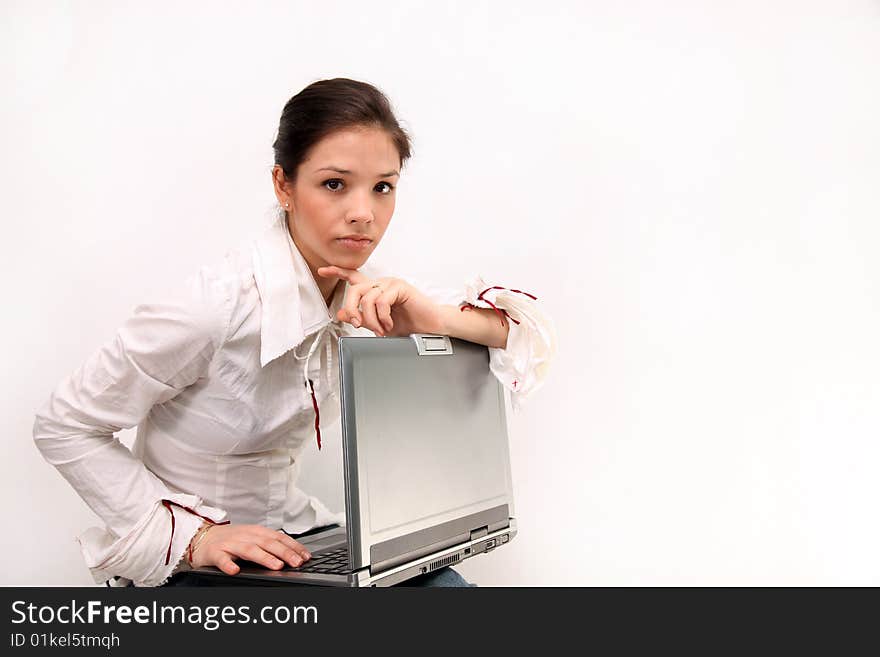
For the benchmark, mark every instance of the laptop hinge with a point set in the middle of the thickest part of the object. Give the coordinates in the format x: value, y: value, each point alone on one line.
x: 479, y: 533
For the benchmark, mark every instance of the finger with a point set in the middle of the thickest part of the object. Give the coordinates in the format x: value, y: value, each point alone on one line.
x: 353, y: 276
x: 225, y: 563
x: 383, y: 308
x: 343, y: 316
x: 349, y: 308
x: 253, y: 552
x: 368, y: 310
x: 294, y: 545
x: 263, y: 535
x: 283, y: 552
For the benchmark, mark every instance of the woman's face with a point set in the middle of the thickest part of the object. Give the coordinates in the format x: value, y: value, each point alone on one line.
x: 346, y: 187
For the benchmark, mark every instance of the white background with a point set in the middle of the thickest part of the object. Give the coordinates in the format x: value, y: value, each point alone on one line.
x: 690, y: 188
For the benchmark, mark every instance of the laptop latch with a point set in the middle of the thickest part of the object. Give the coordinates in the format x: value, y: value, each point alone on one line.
x: 479, y: 533
x: 429, y: 344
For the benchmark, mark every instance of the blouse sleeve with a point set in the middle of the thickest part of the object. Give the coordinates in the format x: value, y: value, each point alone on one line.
x: 522, y: 365
x: 160, y: 350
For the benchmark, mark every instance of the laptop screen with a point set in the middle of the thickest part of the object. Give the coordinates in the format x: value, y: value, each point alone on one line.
x: 431, y: 434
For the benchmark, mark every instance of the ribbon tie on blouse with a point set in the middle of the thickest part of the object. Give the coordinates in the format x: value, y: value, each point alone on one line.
x: 325, y: 334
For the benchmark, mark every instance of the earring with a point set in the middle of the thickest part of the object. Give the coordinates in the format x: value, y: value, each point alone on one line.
x: 287, y: 205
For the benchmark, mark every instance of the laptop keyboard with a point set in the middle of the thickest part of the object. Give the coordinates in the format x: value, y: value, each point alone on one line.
x: 335, y: 561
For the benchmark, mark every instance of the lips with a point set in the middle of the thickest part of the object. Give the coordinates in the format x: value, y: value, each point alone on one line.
x: 354, y: 243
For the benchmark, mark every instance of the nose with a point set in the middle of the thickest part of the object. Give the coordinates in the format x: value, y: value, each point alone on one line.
x: 361, y: 210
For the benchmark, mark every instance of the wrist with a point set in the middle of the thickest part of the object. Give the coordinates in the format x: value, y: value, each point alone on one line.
x: 194, y: 542
x: 445, y: 319
x: 475, y: 324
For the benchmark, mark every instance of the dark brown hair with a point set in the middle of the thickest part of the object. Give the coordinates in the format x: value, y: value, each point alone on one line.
x: 329, y: 105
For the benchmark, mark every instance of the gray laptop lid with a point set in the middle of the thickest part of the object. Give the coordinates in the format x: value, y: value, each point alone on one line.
x: 425, y: 446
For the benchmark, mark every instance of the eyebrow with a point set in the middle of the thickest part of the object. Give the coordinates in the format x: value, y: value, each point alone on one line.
x: 346, y: 171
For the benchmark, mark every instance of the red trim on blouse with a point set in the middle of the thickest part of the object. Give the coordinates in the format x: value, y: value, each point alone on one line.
x: 167, y: 504
x: 496, y: 308
x: 317, y: 414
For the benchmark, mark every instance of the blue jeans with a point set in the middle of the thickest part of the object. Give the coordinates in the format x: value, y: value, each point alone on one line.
x: 443, y: 577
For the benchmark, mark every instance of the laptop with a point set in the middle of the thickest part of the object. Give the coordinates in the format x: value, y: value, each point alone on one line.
x: 426, y: 465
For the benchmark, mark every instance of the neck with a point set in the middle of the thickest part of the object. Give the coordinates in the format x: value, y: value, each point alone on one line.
x: 328, y: 296
x: 327, y: 286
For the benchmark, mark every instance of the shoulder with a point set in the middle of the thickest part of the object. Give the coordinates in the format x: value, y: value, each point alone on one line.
x: 219, y: 291
x: 232, y: 273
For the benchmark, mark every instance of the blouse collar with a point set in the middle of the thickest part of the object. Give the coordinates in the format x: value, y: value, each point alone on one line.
x: 292, y: 305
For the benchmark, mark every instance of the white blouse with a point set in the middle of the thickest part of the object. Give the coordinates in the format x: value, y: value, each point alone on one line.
x: 217, y: 380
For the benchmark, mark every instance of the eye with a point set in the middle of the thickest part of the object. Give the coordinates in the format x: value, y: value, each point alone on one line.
x: 332, y: 181
x: 388, y: 185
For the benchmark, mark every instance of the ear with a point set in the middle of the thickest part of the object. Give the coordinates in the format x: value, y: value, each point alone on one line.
x: 282, y: 187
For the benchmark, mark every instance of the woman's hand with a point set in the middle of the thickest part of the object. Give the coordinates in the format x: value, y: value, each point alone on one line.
x: 386, y: 306
x: 272, y: 549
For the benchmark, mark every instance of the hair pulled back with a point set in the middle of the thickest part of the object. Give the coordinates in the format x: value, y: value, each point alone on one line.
x: 326, y: 106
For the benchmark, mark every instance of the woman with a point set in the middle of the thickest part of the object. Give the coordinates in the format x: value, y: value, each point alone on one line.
x: 229, y: 377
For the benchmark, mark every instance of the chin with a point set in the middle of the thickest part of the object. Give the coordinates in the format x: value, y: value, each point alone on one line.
x: 351, y: 261
x: 344, y: 263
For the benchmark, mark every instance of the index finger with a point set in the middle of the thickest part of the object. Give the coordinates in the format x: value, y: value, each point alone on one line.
x: 351, y: 275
